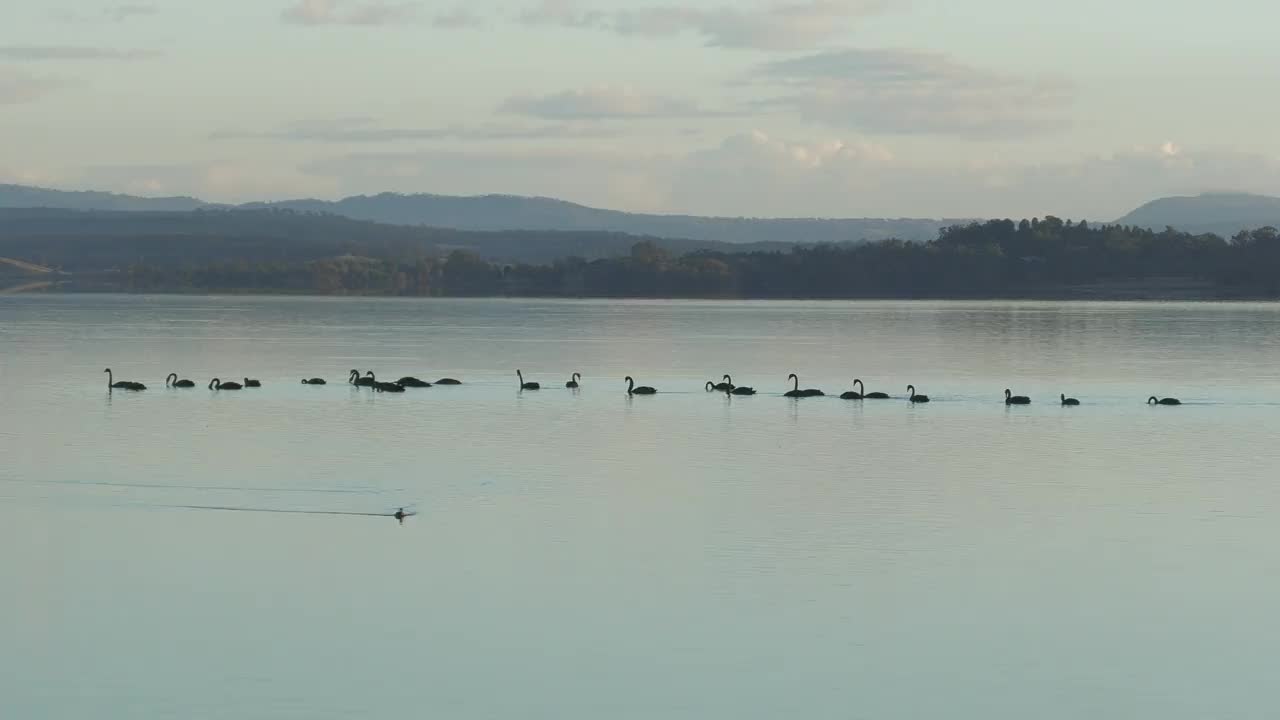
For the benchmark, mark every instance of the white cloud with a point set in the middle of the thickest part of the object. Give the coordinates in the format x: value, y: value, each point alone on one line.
x: 337, y: 12
x: 20, y: 86
x: 780, y: 26
x: 913, y: 92
x: 457, y: 18
x: 757, y: 174
x: 601, y: 103
x: 367, y: 130
x: 70, y: 52
x: 229, y: 181
x: 110, y: 14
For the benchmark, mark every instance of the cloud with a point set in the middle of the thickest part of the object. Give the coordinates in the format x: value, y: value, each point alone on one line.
x: 365, y: 130
x: 111, y: 14
x: 601, y: 103
x: 758, y: 174
x: 780, y: 26
x: 458, y: 18
x: 229, y: 181
x: 70, y: 52
x: 18, y: 86
x: 337, y: 12
x: 913, y: 92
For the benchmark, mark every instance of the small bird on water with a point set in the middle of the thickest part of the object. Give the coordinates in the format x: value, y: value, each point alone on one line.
x: 400, y: 515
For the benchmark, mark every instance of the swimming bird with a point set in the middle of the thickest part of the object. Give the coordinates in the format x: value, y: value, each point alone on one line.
x: 744, y: 390
x: 173, y: 381
x: 216, y: 384
x: 724, y: 386
x: 251, y: 383
x: 913, y: 397
x: 314, y: 381
x: 796, y: 392
x: 1068, y: 401
x: 642, y: 390
x: 526, y: 385
x: 1153, y: 400
x: 448, y: 381
x: 355, y: 379
x: 410, y: 381
x: 573, y: 381
x: 852, y: 394
x: 869, y: 395
x: 388, y: 387
x: 400, y: 515
x: 1011, y: 399
x: 123, y: 384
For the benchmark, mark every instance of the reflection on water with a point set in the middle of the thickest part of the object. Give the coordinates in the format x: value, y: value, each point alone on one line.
x: 584, y: 554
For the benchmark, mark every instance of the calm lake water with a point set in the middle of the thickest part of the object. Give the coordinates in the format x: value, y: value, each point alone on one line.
x: 587, y: 556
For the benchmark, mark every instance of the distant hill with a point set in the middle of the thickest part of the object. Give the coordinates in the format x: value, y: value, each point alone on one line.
x: 22, y: 196
x: 507, y: 212
x: 1223, y: 214
x: 80, y: 240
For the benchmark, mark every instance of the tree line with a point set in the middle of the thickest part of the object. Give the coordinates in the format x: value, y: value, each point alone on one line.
x: 999, y: 258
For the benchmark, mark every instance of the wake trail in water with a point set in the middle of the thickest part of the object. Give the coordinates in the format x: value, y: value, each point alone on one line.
x: 232, y: 508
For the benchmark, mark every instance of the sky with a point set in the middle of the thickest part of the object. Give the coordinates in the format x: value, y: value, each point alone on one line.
x: 832, y: 108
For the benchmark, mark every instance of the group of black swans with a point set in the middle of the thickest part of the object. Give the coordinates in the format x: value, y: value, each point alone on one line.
x: 726, y: 386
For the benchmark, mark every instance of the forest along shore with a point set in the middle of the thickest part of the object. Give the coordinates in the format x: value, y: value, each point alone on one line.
x: 1043, y: 258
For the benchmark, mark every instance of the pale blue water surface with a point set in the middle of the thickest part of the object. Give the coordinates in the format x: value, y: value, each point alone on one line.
x: 586, y: 556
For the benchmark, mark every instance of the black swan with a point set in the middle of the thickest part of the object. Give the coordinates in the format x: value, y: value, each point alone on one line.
x: 642, y: 390
x: 869, y: 395
x: 123, y: 384
x: 796, y: 392
x: 1011, y: 399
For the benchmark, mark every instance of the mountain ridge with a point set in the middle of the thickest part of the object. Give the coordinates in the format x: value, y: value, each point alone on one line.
x: 1220, y: 213
x: 496, y: 212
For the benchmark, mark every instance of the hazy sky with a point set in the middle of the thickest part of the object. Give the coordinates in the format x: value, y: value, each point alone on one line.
x: 800, y: 107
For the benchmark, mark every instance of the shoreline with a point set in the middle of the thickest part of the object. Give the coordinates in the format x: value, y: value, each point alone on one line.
x: 1098, y: 292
